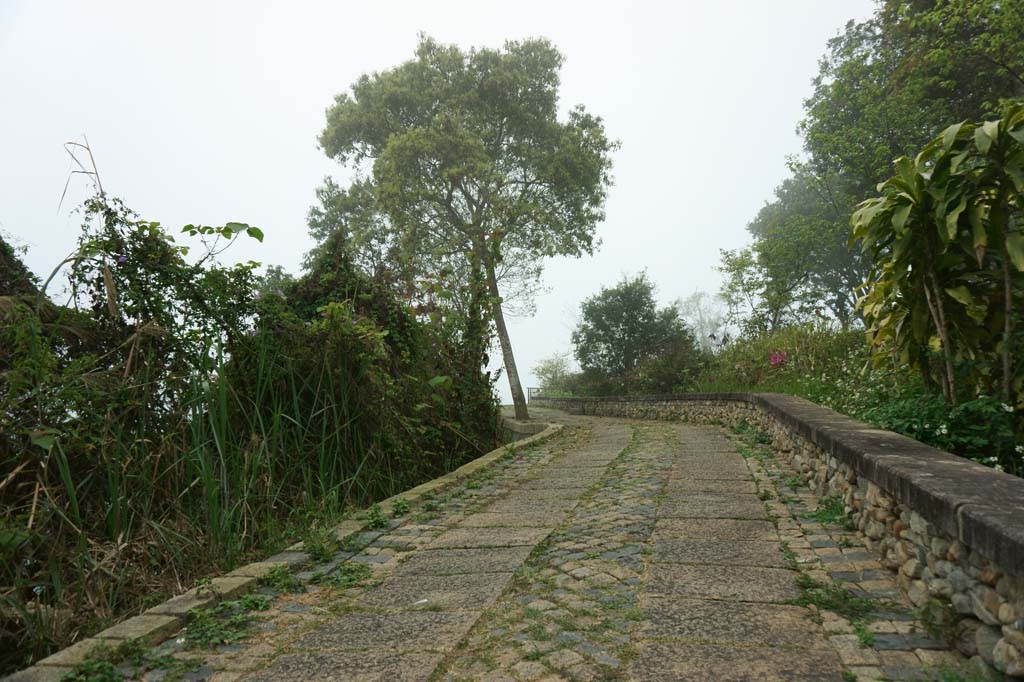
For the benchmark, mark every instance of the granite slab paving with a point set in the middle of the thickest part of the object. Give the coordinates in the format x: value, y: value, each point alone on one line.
x: 617, y: 550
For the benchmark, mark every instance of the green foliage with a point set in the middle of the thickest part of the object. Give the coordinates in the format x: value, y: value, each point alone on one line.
x: 948, y: 249
x: 93, y: 671
x: 376, y: 518
x: 885, y: 87
x: 625, y: 344
x: 400, y: 507
x: 554, y: 373
x: 832, y: 368
x: 282, y: 579
x: 320, y: 543
x: 939, y: 619
x: 468, y: 177
x: 832, y: 597
x: 181, y: 416
x: 831, y: 512
x: 350, y: 574
x: 15, y: 278
x: 865, y: 637
x: 225, y: 623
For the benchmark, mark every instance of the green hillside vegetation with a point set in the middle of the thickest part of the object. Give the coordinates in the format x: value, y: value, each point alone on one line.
x: 884, y: 279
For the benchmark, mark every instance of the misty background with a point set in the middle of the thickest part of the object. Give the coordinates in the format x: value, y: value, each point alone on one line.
x: 209, y: 112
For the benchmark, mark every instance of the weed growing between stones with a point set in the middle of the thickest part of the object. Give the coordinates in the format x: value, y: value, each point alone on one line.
x: 93, y: 671
x: 128, y: 659
x: 351, y: 574
x: 789, y: 555
x: 939, y: 619
x: 376, y: 518
x: 865, y: 637
x: 282, y: 580
x: 353, y: 542
x: 831, y: 511
x: 832, y: 597
x: 400, y: 507
x: 795, y: 482
x: 224, y: 623
x: 320, y: 543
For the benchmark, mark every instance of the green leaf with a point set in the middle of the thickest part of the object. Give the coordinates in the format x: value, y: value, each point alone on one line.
x: 902, y: 245
x: 440, y: 381
x: 1015, y: 247
x: 954, y: 216
x: 976, y: 216
x: 44, y: 438
x: 899, y: 216
x: 950, y: 133
x: 10, y: 540
x: 982, y: 140
x: 255, y: 232
x: 1016, y: 173
x: 961, y: 294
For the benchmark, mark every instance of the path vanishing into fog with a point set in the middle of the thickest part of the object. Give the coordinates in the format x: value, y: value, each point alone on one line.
x: 615, y: 550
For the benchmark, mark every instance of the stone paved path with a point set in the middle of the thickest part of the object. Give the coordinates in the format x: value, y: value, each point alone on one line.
x: 617, y: 550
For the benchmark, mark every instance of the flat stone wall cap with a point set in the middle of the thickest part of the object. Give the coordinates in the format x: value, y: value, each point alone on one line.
x: 149, y: 628
x: 292, y: 559
x: 995, y: 532
x: 183, y: 603
x: 257, y: 569
x: 230, y: 586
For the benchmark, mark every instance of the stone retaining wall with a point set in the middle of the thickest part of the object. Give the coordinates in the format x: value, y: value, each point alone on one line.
x: 952, y: 529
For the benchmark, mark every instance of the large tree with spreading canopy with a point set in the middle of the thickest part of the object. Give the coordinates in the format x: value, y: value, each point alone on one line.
x: 471, y: 163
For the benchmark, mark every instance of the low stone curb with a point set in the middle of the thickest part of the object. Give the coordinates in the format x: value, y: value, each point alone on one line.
x: 163, y: 620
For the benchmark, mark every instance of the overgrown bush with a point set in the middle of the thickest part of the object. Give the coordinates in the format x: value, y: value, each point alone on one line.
x: 170, y: 421
x: 832, y: 368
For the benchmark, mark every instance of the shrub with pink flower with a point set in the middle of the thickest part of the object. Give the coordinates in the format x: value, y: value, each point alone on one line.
x: 778, y: 358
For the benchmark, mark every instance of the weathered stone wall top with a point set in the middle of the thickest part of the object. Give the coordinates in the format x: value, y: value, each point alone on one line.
x: 981, y: 507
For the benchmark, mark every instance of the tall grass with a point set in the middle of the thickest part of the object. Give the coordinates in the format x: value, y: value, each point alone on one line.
x: 114, y: 525
x: 177, y: 417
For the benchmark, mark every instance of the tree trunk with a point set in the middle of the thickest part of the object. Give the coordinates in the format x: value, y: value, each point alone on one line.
x: 934, y: 297
x: 518, y: 397
x: 924, y: 367
x: 1007, y: 328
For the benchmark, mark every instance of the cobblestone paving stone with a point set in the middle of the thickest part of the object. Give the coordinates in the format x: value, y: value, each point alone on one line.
x: 617, y: 550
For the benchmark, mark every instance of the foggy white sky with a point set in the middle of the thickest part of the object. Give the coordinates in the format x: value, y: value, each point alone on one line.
x: 206, y: 112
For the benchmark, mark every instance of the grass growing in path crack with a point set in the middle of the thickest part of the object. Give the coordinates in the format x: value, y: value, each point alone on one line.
x: 320, y: 542
x: 831, y: 511
x: 348, y: 575
x: 865, y: 637
x: 224, y: 623
x: 376, y: 518
x: 795, y: 482
x: 281, y: 579
x: 400, y: 507
x: 102, y: 664
x: 832, y: 597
